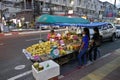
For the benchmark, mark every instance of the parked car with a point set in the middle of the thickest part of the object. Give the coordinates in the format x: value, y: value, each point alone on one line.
x: 42, y: 26
x: 45, y: 27
x: 55, y: 27
x: 118, y: 31
x: 107, y: 32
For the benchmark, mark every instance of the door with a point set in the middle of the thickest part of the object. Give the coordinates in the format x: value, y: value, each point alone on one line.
x: 110, y: 30
x: 104, y: 31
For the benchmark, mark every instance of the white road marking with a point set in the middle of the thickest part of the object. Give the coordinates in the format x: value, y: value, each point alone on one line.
x: 7, y: 34
x: 117, y: 51
x: 32, y: 39
x: 31, y: 32
x: 20, y: 75
x: 106, y: 55
x: 19, y: 67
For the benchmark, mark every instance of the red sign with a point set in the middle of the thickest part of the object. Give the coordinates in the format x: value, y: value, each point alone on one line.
x: 110, y: 14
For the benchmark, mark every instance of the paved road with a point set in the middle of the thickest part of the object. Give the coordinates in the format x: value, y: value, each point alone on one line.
x: 11, y: 56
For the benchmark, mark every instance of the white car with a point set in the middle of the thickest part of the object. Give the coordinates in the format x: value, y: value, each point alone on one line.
x: 107, y: 32
x: 44, y: 27
x: 118, y: 31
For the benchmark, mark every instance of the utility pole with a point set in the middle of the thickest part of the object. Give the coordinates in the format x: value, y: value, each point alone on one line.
x: 66, y: 9
x: 34, y: 9
x: 86, y: 13
x: 115, y: 3
x: 115, y: 11
x: 50, y: 7
x: 1, y: 10
x: 0, y: 14
x: 37, y: 10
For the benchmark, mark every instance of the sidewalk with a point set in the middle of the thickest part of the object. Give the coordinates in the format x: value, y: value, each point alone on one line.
x: 105, y: 68
x: 23, y: 32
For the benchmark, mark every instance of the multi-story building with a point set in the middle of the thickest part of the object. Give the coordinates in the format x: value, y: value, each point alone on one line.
x: 110, y: 11
x: 30, y: 9
x: 90, y: 9
x: 13, y: 6
x: 3, y: 10
x: 33, y: 8
x: 85, y: 8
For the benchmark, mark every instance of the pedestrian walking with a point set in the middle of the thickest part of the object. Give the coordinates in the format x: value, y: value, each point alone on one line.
x: 84, y: 47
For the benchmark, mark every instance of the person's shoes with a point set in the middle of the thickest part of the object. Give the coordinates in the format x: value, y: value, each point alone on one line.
x: 79, y: 67
x: 83, y: 67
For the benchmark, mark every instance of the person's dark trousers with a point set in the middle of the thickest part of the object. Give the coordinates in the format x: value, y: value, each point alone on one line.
x: 95, y: 52
x: 90, y: 55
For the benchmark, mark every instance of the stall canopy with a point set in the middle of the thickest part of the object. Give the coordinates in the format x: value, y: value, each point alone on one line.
x: 95, y: 24
x: 51, y: 19
x: 90, y: 25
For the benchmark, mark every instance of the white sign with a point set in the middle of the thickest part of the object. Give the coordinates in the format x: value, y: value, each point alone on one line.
x: 56, y: 52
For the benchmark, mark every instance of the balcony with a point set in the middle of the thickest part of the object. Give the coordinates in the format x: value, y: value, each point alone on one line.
x: 28, y: 7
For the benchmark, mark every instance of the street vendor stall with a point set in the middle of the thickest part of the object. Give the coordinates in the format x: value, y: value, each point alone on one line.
x: 60, y: 48
x: 64, y: 44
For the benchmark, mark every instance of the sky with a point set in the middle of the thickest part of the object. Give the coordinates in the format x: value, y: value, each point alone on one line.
x: 112, y: 1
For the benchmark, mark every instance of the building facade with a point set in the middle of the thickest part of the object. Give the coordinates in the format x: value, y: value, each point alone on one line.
x: 30, y: 9
x: 110, y: 12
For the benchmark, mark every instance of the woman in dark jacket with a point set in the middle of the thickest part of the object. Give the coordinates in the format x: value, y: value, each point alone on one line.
x: 94, y: 44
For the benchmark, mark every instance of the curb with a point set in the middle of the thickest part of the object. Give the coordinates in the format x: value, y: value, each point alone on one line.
x: 25, y: 33
x: 116, y: 52
x: 8, y: 34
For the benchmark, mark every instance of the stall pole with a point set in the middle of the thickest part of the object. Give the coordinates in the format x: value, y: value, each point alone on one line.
x: 40, y: 34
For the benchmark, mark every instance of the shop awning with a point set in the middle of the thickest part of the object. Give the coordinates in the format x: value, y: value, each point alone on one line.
x: 49, y: 19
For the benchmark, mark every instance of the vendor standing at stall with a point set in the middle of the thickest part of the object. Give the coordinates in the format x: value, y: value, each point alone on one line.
x: 83, y: 47
x: 51, y: 35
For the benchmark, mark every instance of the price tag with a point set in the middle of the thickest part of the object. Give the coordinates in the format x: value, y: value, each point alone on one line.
x: 56, y: 52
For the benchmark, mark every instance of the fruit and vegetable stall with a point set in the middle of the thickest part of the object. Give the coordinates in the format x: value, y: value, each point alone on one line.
x: 60, y: 48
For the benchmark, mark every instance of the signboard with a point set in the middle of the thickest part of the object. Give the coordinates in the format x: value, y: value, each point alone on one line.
x: 110, y: 11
